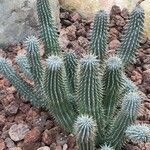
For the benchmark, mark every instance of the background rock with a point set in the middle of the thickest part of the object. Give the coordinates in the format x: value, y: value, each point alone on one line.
x: 88, y: 8
x: 19, y: 19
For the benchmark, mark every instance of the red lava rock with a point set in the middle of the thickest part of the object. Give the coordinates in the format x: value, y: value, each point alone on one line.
x: 11, y: 90
x: 119, y: 21
x: 131, y: 147
x: 2, y: 121
x: 15, y: 148
x: 49, y: 136
x: 125, y: 13
x: 44, y: 148
x: 2, y: 144
x: 9, y: 143
x: 71, y: 32
x: 32, y: 114
x: 8, y: 99
x: 115, y: 10
x: 81, y: 32
x: 58, y: 147
x: 18, y: 132
x: 32, y: 136
x: 30, y: 146
x: 147, y: 51
x: 20, y: 118
x: 71, y: 141
x: 75, y: 17
x: 83, y: 42
x: 113, y: 34
x: 147, y: 105
x: 146, y: 76
x: 114, y: 44
x: 24, y: 107
x: 12, y: 108
x: 136, y: 77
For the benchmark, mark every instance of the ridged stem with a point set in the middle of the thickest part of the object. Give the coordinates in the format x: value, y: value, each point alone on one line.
x: 47, y: 30
x: 23, y: 63
x: 112, y: 84
x: 85, y: 130
x: 57, y: 92
x: 22, y: 87
x: 98, y: 42
x: 89, y: 94
x: 70, y: 61
x: 130, y: 39
x: 127, y: 116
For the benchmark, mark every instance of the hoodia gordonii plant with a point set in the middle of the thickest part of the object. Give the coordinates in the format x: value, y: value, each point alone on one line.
x: 91, y: 97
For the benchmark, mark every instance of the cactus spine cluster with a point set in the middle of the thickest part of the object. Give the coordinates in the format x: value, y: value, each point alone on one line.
x: 84, y: 95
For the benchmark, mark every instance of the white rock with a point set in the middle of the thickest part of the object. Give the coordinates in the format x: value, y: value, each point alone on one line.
x: 18, y: 132
x: 44, y: 148
x: 18, y: 19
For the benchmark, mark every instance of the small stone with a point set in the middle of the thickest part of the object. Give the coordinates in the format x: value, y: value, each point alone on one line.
x: 125, y: 13
x: 32, y: 136
x: 119, y: 21
x: 53, y: 146
x: 49, y: 136
x: 71, y: 142
x: 15, y: 148
x: 147, y: 105
x: 44, y: 148
x: 65, y: 146
x: 115, y: 10
x: 136, y: 77
x: 71, y: 32
x: 114, y: 44
x: 2, y: 144
x: 131, y: 147
x: 2, y: 121
x: 9, y: 143
x: 11, y: 90
x: 147, y: 146
x: 18, y: 132
x: 75, y: 17
x: 146, y: 76
x: 58, y: 147
x: 30, y: 146
x: 12, y: 108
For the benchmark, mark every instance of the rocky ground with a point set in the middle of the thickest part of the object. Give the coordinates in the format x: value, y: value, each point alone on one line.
x: 23, y: 127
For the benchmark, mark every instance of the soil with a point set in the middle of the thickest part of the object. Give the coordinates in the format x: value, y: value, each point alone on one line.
x: 24, y: 127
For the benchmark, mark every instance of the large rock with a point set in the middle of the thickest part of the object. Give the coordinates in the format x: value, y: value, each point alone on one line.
x: 18, y: 19
x: 88, y: 8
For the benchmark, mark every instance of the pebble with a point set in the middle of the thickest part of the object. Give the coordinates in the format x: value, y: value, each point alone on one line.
x: 12, y: 108
x: 2, y: 144
x: 44, y: 148
x: 18, y: 132
x: 9, y: 143
x: 15, y: 148
x: 32, y: 136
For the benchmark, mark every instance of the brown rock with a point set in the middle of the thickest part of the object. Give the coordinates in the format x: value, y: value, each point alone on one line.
x: 30, y: 146
x: 131, y: 147
x: 2, y: 121
x: 58, y: 147
x: 49, y: 136
x: 114, y: 44
x: 18, y: 132
x: 71, y: 32
x: 15, y: 148
x: 136, y: 77
x: 71, y: 142
x: 125, y: 13
x: 115, y: 10
x: 44, y: 148
x: 119, y: 21
x: 146, y: 76
x: 32, y: 136
x: 12, y: 108
x: 2, y: 144
x: 75, y: 17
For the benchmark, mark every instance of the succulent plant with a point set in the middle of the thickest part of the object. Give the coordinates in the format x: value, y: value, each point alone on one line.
x: 91, y: 97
